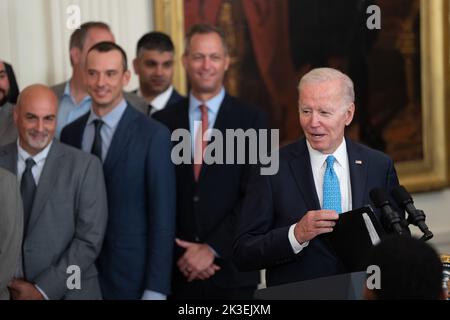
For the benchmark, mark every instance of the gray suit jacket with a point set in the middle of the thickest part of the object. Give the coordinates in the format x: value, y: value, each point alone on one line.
x: 67, y: 223
x: 11, y: 226
x: 8, y: 131
x: 137, y: 102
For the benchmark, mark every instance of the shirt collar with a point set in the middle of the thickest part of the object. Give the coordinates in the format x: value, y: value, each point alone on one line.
x: 213, y: 104
x: 318, y: 158
x: 112, y: 118
x: 41, y: 156
x: 160, y: 101
x: 68, y: 94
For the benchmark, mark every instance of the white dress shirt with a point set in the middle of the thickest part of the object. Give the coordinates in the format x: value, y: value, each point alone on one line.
x: 318, y: 166
x: 36, y: 170
x: 160, y: 101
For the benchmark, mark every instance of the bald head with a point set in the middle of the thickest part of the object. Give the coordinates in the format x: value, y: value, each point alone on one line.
x: 35, y: 118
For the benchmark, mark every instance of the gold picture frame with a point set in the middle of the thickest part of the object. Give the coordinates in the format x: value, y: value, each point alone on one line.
x: 432, y: 171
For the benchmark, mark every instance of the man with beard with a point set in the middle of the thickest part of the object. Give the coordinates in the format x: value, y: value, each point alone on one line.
x: 154, y: 64
x: 64, y: 204
x: 8, y: 97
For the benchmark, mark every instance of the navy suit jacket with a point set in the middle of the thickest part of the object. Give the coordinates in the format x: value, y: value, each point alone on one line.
x: 274, y: 203
x: 206, y: 209
x: 175, y: 97
x: 140, y: 180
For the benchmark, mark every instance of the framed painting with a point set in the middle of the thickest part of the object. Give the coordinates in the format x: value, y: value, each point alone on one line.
x: 400, y: 71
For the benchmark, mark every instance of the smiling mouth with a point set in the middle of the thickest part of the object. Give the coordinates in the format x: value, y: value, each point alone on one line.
x: 316, y: 135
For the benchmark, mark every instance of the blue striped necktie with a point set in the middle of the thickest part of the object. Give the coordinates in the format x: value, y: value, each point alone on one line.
x: 331, y: 190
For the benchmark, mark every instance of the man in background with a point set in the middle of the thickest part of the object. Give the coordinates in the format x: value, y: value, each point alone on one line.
x: 74, y: 100
x: 209, y: 195
x: 154, y: 65
x: 9, y: 90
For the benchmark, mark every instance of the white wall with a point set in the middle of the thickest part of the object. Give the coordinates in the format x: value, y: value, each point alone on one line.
x: 436, y: 206
x: 35, y: 38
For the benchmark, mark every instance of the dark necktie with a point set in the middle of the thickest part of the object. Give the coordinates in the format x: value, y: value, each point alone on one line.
x: 27, y: 189
x: 97, y: 145
x: 150, y: 109
x: 200, y: 142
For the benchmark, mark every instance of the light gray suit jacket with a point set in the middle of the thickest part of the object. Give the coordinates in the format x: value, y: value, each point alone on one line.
x: 67, y: 223
x: 137, y: 102
x: 11, y: 227
x: 8, y: 131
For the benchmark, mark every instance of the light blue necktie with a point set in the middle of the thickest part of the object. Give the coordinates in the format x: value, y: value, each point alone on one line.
x: 331, y: 190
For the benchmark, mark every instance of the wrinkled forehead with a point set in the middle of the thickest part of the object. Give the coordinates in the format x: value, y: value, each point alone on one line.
x: 325, y: 90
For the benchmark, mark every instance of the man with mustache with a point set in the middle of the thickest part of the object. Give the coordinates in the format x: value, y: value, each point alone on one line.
x: 154, y: 64
x: 64, y: 201
x: 9, y: 91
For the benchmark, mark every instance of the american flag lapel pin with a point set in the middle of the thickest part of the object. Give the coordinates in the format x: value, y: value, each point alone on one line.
x: 358, y: 162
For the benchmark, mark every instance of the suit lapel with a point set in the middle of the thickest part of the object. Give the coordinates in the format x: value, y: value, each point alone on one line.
x: 302, y: 171
x: 357, y: 162
x: 52, y: 167
x: 120, y: 139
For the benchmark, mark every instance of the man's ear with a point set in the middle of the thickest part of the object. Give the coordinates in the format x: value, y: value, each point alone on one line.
x: 75, y: 56
x: 227, y: 61
x: 349, y: 113
x: 136, y: 66
x: 126, y: 78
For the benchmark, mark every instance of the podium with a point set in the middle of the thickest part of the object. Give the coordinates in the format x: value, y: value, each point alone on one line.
x: 347, y: 286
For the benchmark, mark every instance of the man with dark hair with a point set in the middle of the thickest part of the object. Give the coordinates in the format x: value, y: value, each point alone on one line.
x: 9, y: 90
x: 154, y: 64
x: 209, y: 195
x: 74, y: 100
x: 136, y: 257
x: 410, y: 269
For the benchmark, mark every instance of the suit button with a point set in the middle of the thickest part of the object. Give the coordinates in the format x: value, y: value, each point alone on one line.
x: 196, y: 198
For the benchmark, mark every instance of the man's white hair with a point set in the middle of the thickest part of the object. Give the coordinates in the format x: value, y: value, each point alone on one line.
x: 320, y: 75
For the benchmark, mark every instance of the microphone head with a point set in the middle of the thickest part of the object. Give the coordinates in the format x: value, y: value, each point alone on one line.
x: 379, y: 197
x: 401, y: 195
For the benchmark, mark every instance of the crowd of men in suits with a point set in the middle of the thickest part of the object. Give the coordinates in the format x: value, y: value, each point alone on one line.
x: 99, y: 190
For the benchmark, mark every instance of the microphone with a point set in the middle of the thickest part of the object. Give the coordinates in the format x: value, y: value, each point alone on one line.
x: 390, y: 219
x: 415, y: 216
